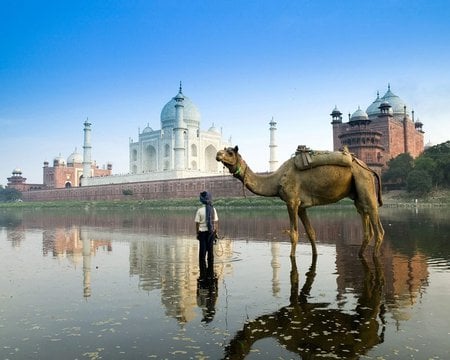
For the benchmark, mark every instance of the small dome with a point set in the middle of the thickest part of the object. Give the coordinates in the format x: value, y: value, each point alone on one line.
x: 191, y: 114
x: 75, y: 158
x: 428, y: 145
x: 384, y: 104
x: 17, y: 171
x: 213, y: 129
x: 359, y: 115
x: 335, y: 111
x: 59, y: 160
x: 147, y: 129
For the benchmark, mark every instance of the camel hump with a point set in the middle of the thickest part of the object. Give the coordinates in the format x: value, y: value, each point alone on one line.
x: 306, y: 158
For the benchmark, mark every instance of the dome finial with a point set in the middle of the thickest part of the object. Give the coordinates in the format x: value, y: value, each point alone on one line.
x: 181, y: 88
x: 389, y: 86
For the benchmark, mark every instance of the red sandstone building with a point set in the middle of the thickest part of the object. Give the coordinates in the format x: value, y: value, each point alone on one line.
x: 61, y: 175
x: 65, y: 175
x: 18, y: 182
x: 385, y: 130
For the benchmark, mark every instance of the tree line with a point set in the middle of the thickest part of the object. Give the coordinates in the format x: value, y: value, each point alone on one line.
x: 9, y: 194
x: 429, y: 171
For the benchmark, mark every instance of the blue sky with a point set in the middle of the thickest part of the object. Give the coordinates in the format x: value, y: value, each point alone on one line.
x: 241, y: 62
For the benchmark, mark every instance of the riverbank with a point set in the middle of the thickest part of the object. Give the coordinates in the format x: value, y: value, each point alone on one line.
x: 400, y: 198
x: 390, y: 199
x: 188, y: 203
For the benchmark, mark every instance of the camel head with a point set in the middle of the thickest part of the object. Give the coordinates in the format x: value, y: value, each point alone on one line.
x: 231, y: 159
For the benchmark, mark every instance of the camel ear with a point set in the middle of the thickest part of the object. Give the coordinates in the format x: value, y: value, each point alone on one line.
x: 236, y: 149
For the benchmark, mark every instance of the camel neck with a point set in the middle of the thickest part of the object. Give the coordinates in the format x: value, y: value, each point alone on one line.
x: 263, y: 185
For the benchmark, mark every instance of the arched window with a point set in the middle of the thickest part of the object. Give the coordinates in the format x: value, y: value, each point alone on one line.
x: 167, y: 150
x: 193, y: 150
x: 210, y: 159
x: 149, y: 159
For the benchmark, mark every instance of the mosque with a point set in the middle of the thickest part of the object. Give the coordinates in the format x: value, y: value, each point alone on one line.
x: 386, y: 129
x: 65, y: 173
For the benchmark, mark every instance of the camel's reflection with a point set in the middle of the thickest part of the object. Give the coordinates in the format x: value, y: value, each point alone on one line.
x: 312, y: 329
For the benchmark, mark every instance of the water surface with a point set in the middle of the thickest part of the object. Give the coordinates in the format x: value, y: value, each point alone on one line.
x: 123, y: 285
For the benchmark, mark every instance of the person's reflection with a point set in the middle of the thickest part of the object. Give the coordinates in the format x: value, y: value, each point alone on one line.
x: 207, y: 289
x: 316, y: 329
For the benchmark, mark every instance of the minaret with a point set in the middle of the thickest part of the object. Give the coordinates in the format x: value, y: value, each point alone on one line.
x: 178, y: 131
x: 275, y: 263
x: 87, y: 150
x: 86, y: 263
x: 273, y: 162
x: 336, y: 122
x: 405, y: 131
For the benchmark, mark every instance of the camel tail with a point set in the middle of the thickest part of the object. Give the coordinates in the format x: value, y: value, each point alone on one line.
x: 378, y: 179
x: 380, y: 200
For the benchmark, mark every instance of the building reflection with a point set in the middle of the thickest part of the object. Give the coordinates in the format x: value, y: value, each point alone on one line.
x: 172, y: 267
x: 75, y: 245
x: 163, y: 259
x: 15, y: 236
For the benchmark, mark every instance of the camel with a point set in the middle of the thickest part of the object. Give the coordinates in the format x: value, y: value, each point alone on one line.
x: 301, y: 189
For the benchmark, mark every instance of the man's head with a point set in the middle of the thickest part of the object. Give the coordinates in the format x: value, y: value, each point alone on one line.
x: 205, y: 197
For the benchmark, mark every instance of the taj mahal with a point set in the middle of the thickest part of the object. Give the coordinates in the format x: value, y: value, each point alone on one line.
x: 179, y: 149
x: 179, y: 145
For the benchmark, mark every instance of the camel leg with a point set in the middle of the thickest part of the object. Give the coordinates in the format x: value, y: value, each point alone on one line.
x: 308, y: 228
x: 293, y: 232
x: 378, y: 230
x: 367, y: 232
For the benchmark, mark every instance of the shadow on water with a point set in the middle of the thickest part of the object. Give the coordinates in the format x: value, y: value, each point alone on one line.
x: 311, y: 328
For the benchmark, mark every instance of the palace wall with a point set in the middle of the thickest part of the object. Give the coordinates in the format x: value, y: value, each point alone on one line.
x: 218, y: 186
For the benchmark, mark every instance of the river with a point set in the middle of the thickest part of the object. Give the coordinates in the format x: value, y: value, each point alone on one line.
x: 110, y: 284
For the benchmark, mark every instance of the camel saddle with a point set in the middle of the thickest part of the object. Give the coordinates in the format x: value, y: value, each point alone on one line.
x: 306, y: 158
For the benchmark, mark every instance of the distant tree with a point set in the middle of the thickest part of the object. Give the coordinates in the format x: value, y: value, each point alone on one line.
x: 440, y: 156
x: 399, y: 169
x: 425, y: 163
x: 9, y: 194
x: 419, y: 182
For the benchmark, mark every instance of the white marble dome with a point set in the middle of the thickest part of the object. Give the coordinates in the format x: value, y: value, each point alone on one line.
x: 191, y: 114
x: 147, y: 129
x: 213, y: 129
x: 75, y: 158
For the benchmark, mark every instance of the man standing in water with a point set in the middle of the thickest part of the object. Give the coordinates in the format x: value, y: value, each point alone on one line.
x: 206, y: 223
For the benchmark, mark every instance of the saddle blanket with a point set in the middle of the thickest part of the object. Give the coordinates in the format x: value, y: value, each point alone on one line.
x: 306, y: 158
